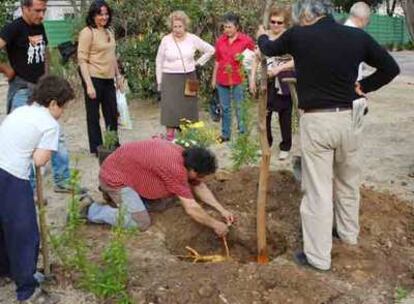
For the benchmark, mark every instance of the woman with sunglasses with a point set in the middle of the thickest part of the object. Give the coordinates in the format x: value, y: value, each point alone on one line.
x: 98, y: 66
x: 278, y: 95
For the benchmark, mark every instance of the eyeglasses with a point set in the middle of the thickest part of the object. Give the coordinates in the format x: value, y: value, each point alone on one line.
x: 277, y: 22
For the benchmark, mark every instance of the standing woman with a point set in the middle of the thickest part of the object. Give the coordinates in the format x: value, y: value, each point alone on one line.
x: 98, y: 66
x: 227, y: 73
x: 278, y: 94
x: 175, y: 63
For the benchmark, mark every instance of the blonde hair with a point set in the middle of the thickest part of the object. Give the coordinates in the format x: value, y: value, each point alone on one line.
x: 178, y: 16
x: 282, y: 11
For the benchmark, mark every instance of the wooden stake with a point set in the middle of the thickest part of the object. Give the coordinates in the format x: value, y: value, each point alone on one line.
x: 262, y: 257
x: 42, y: 222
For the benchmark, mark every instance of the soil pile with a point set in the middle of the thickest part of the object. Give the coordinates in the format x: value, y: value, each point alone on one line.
x: 366, y: 273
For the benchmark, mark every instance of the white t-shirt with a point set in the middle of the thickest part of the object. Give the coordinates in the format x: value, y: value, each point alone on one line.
x: 24, y: 130
x: 350, y: 23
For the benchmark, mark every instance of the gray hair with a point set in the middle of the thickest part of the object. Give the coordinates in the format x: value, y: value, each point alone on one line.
x: 360, y: 10
x: 311, y: 9
x: 29, y: 3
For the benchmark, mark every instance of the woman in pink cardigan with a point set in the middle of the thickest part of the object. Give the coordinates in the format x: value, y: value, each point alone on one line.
x: 175, y: 63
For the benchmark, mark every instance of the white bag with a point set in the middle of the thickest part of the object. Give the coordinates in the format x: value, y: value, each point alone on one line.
x: 124, y: 120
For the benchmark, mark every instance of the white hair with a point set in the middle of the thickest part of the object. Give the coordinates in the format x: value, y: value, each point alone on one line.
x: 311, y: 9
x: 360, y: 10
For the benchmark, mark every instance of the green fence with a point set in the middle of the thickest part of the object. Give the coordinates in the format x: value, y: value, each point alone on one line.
x: 386, y: 30
x: 58, y: 31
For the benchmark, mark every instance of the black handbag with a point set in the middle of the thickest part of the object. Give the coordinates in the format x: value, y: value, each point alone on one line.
x: 214, y: 107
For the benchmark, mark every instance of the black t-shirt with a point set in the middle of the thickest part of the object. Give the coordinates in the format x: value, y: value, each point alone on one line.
x: 26, y: 48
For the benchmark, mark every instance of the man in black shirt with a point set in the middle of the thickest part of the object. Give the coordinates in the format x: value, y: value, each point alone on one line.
x: 327, y: 56
x: 26, y: 42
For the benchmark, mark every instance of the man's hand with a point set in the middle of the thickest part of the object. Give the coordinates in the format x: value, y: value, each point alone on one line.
x: 358, y: 89
x: 221, y: 229
x: 228, y: 216
x: 261, y: 31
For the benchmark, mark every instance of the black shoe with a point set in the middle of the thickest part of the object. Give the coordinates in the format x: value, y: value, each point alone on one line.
x: 300, y: 259
x: 221, y: 139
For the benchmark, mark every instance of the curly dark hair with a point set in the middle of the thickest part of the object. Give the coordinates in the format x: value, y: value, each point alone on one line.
x: 201, y: 160
x: 95, y: 9
x: 51, y: 88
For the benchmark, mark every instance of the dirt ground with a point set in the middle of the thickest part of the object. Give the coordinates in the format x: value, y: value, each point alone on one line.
x: 366, y: 273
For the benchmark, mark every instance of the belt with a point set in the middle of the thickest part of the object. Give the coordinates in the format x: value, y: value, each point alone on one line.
x: 327, y: 110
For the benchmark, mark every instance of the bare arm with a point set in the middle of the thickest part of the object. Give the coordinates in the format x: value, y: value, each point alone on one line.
x: 41, y: 157
x: 205, y: 195
x: 289, y: 65
x: 197, y: 213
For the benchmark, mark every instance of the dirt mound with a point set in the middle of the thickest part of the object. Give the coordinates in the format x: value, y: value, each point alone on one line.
x: 366, y: 273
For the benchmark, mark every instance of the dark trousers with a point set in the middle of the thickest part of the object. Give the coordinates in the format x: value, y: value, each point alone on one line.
x: 285, y: 123
x: 282, y: 104
x: 19, y: 234
x: 106, y: 98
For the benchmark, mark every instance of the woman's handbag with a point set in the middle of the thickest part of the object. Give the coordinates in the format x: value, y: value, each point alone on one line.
x: 191, y: 86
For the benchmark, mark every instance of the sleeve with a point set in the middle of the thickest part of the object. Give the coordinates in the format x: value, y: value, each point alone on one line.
x: 379, y: 58
x: 84, y: 45
x: 217, y: 50
x: 205, y: 48
x: 49, y: 139
x: 250, y: 45
x: 8, y: 33
x: 159, y: 60
x: 278, y: 47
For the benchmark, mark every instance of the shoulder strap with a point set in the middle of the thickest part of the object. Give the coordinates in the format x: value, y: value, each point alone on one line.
x: 179, y: 51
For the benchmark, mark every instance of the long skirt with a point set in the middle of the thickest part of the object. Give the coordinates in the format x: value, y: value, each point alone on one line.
x: 174, y: 105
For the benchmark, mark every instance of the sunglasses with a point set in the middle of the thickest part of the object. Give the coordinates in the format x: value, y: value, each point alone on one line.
x: 277, y: 22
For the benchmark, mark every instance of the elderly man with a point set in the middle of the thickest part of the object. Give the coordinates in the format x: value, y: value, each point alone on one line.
x: 359, y: 17
x: 327, y: 55
x: 140, y: 172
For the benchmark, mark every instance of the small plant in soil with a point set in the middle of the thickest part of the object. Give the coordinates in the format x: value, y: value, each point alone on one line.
x: 245, y: 149
x: 400, y: 294
x: 110, y: 143
x: 108, y: 280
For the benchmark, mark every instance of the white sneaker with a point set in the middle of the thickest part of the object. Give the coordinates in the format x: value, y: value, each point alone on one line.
x: 283, y: 155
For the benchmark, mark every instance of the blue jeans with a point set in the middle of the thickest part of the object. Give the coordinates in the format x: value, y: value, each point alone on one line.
x: 226, y: 94
x: 18, y: 97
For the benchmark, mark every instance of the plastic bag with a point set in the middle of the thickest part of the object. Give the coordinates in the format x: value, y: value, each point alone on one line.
x: 124, y: 119
x: 214, y: 107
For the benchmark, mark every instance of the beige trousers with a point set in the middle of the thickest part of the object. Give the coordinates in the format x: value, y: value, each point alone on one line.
x: 330, y: 180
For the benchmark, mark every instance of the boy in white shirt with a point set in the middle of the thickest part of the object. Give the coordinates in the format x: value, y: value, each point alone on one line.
x: 28, y: 135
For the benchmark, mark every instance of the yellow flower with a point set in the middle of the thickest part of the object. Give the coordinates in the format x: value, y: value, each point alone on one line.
x: 197, y: 125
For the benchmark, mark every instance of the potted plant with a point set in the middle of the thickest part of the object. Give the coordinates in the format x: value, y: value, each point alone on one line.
x: 110, y: 143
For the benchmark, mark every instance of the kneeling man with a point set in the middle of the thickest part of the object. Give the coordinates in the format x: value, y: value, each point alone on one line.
x: 140, y: 172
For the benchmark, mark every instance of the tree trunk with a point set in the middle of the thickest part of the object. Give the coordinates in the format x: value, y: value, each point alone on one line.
x: 263, y: 257
x: 391, y: 4
x: 409, y: 16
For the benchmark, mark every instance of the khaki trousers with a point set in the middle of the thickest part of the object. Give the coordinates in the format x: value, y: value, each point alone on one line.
x: 330, y: 180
